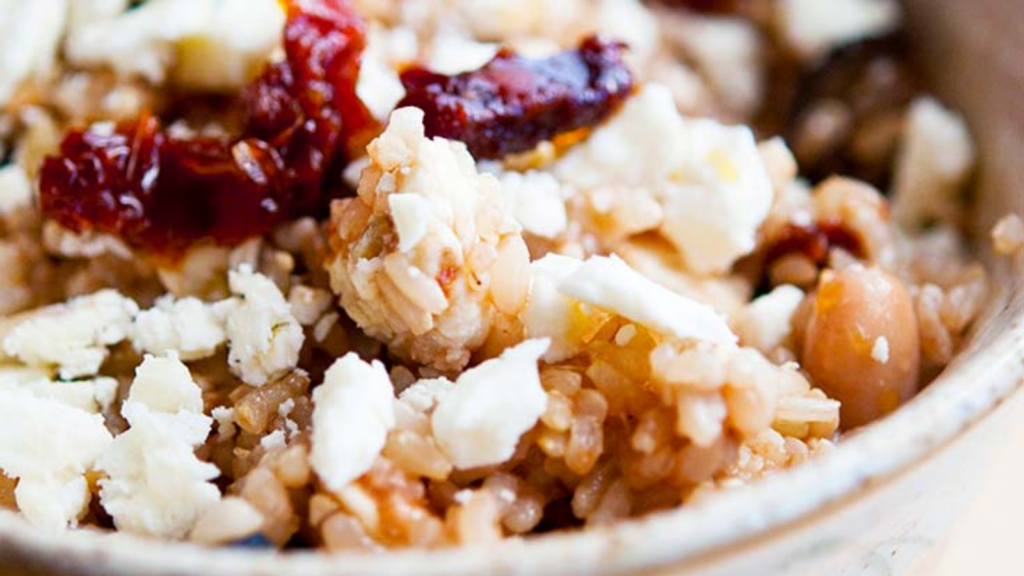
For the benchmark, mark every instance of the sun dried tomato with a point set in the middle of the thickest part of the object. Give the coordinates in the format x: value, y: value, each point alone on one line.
x: 164, y: 193
x: 814, y: 241
x: 513, y: 103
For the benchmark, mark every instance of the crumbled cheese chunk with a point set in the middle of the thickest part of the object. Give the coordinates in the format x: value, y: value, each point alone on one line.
x: 73, y: 336
x: 935, y: 159
x: 204, y: 45
x: 15, y: 189
x: 165, y: 385
x: 229, y: 520
x: 30, y: 34
x: 714, y: 210
x: 610, y: 284
x: 274, y: 440
x: 880, y: 350
x: 48, y: 446
x: 264, y: 337
x: 187, y: 327
x: 480, y: 420
x: 386, y: 50
x: 710, y: 179
x: 225, y: 418
x: 352, y: 414
x: 813, y: 28
x: 727, y: 51
x: 450, y: 54
x: 155, y: 484
x: 93, y: 395
x: 764, y: 324
x: 536, y: 202
x: 424, y: 395
x: 411, y: 215
x: 550, y: 313
x: 235, y: 40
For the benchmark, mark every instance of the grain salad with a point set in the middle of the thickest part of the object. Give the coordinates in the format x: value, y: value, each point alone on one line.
x: 371, y: 274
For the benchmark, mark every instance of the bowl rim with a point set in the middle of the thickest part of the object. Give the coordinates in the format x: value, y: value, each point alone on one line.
x: 981, y: 377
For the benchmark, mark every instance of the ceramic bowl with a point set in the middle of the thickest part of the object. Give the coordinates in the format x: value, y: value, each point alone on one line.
x: 878, y: 505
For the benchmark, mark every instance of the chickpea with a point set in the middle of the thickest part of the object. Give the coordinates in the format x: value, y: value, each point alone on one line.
x: 861, y: 345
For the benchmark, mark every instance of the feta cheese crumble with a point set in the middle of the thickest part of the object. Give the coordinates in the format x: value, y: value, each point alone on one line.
x: 15, y: 188
x: 73, y: 336
x: 535, y: 199
x: 550, y: 313
x: 610, y: 284
x: 813, y: 27
x: 93, y: 395
x: 764, y: 324
x: 30, y: 34
x: 352, y: 414
x: 203, y: 45
x: 709, y: 178
x: 188, y: 327
x: 936, y: 157
x: 155, y: 484
x: 480, y: 420
x: 264, y: 337
x: 48, y: 446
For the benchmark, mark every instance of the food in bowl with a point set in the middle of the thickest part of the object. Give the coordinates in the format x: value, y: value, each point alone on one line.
x: 364, y: 275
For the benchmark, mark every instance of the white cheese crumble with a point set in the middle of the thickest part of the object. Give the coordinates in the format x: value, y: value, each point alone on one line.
x: 73, y: 336
x: 411, y: 214
x: 274, y: 440
x: 536, y: 202
x: 550, y: 313
x: 727, y: 52
x: 188, y: 327
x: 880, y: 350
x: 480, y: 420
x: 264, y: 337
x: 225, y: 418
x: 764, y: 324
x: 610, y: 284
x: 935, y: 159
x: 15, y: 188
x: 813, y: 27
x: 424, y: 395
x: 203, y: 45
x: 155, y: 484
x: 710, y: 178
x: 229, y: 520
x: 451, y: 54
x: 93, y: 395
x: 352, y: 414
x: 378, y: 85
x: 48, y: 446
x: 30, y: 34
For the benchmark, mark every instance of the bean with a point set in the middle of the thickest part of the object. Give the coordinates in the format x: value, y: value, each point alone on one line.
x: 861, y: 345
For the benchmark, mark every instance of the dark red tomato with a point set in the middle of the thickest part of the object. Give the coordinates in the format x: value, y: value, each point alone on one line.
x: 162, y: 194
x: 513, y: 103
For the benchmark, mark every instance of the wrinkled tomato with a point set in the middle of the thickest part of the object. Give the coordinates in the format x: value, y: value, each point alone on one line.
x: 163, y: 193
x: 513, y: 103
